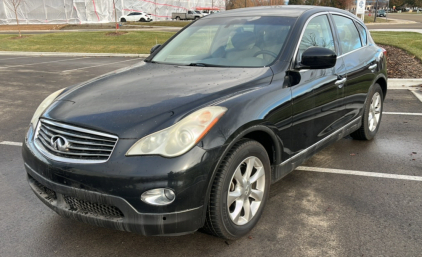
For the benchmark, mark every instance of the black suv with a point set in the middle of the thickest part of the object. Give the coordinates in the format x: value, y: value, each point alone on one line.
x: 194, y: 136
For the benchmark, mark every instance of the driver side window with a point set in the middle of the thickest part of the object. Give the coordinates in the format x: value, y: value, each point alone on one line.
x: 317, y: 33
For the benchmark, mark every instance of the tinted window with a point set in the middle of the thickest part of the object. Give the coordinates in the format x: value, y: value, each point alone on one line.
x: 347, y: 33
x: 229, y: 42
x: 317, y: 33
x: 363, y: 36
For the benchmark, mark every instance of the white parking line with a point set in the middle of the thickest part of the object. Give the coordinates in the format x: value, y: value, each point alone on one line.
x: 99, y: 65
x: 417, y: 93
x: 10, y: 143
x: 17, y: 58
x: 403, y: 113
x: 360, y: 173
x: 29, y: 64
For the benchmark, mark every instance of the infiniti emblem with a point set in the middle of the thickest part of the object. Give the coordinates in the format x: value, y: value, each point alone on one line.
x: 59, y: 143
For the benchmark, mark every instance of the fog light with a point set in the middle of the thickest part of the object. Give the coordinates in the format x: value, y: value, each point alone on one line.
x: 158, y: 196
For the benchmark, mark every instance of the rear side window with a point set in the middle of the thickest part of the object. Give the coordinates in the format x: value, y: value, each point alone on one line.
x: 363, y: 36
x: 348, y: 34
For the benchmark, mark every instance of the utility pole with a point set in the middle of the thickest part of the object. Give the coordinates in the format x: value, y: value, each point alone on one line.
x: 245, y: 3
x: 376, y: 11
x: 115, y: 14
x: 388, y: 8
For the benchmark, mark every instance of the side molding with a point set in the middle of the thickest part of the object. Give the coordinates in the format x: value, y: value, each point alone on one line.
x: 289, y: 165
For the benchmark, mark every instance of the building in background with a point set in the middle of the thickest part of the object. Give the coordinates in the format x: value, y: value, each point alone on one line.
x: 96, y: 11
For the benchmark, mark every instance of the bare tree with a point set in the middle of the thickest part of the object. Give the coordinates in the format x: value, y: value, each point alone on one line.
x: 15, y: 5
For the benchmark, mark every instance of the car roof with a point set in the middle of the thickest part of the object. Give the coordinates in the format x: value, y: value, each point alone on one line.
x: 279, y: 10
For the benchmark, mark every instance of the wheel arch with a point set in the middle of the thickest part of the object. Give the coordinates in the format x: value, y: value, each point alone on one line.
x: 263, y: 134
x: 383, y: 83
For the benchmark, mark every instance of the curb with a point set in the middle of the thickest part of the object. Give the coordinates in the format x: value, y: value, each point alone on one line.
x: 398, y: 30
x: 403, y: 83
x: 13, y: 53
x: 394, y: 22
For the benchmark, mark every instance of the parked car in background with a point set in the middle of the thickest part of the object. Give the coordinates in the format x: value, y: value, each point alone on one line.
x: 189, y: 15
x: 381, y: 13
x: 194, y: 136
x: 136, y: 16
x: 204, y: 13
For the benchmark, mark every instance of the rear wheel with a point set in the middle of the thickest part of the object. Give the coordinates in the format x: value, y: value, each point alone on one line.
x: 372, y: 114
x: 142, y: 20
x: 239, y: 191
x: 178, y: 18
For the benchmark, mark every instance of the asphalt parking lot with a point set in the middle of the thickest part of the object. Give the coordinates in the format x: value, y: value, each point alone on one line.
x: 355, y: 198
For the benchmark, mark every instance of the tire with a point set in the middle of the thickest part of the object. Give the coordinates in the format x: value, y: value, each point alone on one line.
x: 142, y: 20
x: 372, y: 115
x: 196, y: 17
x: 122, y: 20
x: 232, y: 220
x: 178, y: 18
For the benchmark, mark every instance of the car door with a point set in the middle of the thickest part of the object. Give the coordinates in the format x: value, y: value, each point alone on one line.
x: 129, y: 17
x: 317, y: 99
x: 137, y: 16
x: 360, y: 61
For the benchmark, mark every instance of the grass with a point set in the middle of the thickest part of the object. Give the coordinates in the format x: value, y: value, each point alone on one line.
x: 370, y: 19
x: 86, y: 42
x: 409, y: 41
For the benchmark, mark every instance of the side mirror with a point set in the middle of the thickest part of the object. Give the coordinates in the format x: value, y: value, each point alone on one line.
x: 154, y: 48
x: 317, y: 58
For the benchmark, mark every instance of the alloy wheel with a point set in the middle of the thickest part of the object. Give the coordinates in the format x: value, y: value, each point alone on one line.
x: 246, y: 190
x: 374, y: 112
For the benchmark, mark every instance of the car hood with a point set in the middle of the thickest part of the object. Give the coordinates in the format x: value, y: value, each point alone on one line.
x: 146, y: 97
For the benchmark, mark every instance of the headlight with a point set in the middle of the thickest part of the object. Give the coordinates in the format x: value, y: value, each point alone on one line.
x: 44, y: 104
x: 181, y: 137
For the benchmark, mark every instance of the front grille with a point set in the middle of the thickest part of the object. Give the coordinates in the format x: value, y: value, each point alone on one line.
x: 68, y: 143
x: 86, y: 207
x: 50, y: 194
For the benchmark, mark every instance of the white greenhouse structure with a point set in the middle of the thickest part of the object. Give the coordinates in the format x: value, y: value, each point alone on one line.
x: 96, y: 11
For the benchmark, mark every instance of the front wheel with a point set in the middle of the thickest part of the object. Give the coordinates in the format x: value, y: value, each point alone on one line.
x: 123, y: 20
x: 372, y: 115
x: 239, y: 191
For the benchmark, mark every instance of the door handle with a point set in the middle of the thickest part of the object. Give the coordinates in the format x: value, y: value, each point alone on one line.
x: 340, y: 82
x: 372, y: 67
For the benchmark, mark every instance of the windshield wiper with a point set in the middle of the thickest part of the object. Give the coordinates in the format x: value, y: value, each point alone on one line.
x: 201, y: 64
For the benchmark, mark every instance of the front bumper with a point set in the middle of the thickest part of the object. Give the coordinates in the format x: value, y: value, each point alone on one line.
x: 108, y: 194
x: 110, y: 211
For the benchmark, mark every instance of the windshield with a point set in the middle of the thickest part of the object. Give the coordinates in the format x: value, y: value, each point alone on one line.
x: 228, y: 42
